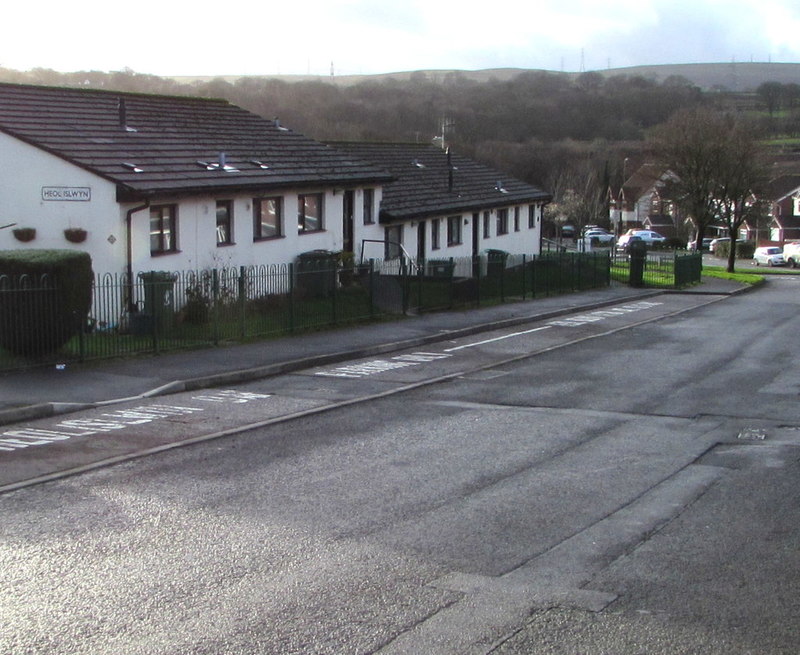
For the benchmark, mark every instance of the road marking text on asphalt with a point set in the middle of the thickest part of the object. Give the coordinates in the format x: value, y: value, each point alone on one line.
x: 12, y: 440
x: 602, y: 314
x: 381, y: 365
x: 375, y: 366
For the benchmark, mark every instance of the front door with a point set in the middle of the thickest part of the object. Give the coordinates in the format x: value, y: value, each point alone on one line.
x: 347, y: 221
x: 476, y: 226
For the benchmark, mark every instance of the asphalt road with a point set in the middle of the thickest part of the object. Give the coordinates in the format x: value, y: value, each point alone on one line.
x: 623, y: 482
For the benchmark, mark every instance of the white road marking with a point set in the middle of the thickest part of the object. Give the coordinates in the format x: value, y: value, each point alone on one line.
x: 593, y: 317
x: 230, y: 396
x: 507, y: 336
x: 363, y: 369
x: 12, y: 440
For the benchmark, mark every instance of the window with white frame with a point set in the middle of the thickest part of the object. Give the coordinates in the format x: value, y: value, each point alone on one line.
x: 435, y: 235
x: 502, y: 221
x: 369, y: 206
x: 487, y: 226
x: 163, y: 229
x: 267, y: 218
x: 531, y: 216
x: 516, y: 219
x: 309, y: 212
x: 224, y: 222
x: 453, y: 230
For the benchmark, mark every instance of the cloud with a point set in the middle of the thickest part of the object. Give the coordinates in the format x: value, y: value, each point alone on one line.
x: 374, y: 36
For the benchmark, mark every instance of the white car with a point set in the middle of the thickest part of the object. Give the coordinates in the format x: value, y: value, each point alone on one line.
x: 769, y: 255
x: 648, y: 236
x: 599, y: 235
x: 791, y: 253
x: 712, y: 246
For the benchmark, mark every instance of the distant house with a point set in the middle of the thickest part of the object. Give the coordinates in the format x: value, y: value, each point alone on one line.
x: 149, y: 182
x: 442, y: 205
x: 783, y: 194
x: 641, y: 202
x: 661, y: 223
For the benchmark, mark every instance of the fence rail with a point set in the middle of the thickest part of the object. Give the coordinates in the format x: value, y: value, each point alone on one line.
x: 661, y: 269
x: 158, y: 311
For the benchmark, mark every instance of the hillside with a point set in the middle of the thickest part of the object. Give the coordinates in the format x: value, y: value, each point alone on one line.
x: 732, y: 76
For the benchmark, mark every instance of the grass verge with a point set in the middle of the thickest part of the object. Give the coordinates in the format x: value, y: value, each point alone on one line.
x: 742, y: 277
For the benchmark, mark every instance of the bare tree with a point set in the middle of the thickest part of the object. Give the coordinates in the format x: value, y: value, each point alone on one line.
x: 689, y: 145
x: 740, y: 177
x: 717, y: 168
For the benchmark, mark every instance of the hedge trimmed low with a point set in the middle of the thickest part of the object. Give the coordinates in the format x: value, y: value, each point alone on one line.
x: 45, y: 297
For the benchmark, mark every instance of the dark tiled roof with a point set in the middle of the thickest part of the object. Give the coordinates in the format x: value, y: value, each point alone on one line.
x: 165, y: 137
x: 780, y: 187
x: 422, y: 181
x: 787, y: 222
x: 644, y: 178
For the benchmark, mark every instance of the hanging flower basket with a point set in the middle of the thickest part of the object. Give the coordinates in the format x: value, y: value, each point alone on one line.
x: 75, y: 234
x: 25, y: 233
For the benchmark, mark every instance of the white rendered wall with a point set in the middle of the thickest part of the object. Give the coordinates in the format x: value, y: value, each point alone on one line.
x: 525, y: 241
x: 28, y: 175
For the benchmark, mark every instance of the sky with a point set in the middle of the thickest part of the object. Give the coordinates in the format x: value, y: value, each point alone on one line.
x: 364, y: 37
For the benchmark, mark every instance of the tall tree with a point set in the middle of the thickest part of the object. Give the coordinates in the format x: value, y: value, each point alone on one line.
x: 718, y: 169
x: 690, y: 146
x: 740, y: 178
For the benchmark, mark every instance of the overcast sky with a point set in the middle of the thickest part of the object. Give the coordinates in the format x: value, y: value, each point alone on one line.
x: 264, y: 37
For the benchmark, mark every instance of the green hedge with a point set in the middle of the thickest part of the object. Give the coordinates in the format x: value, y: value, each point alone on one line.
x: 55, y: 306
x: 744, y: 250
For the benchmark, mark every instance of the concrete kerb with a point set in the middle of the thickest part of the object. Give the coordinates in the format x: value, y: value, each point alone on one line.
x: 45, y: 410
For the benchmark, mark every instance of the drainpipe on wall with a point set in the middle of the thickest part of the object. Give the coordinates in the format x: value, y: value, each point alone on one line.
x: 129, y: 255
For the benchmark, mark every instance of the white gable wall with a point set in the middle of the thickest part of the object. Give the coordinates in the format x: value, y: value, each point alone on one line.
x: 33, y: 188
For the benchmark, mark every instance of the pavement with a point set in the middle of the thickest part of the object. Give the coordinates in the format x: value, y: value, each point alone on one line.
x: 43, y: 392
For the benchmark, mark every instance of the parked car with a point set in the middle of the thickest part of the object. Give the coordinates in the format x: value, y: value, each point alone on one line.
x: 769, y: 255
x: 599, y: 235
x: 791, y: 253
x: 706, y: 245
x: 712, y: 246
x: 648, y: 236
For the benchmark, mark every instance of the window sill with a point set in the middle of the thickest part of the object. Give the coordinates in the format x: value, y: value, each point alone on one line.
x: 164, y: 253
x: 226, y: 245
x: 273, y: 238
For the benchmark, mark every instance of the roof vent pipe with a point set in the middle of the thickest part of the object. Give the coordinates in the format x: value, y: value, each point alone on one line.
x: 449, y: 171
x: 123, y: 113
x: 222, y: 160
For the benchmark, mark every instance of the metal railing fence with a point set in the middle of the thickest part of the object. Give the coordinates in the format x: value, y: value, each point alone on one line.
x: 662, y: 269
x: 159, y: 311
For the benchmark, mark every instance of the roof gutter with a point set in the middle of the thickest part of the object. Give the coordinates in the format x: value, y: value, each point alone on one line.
x: 129, y: 254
